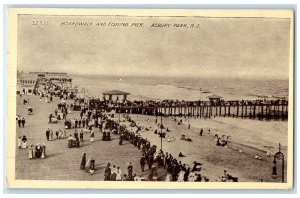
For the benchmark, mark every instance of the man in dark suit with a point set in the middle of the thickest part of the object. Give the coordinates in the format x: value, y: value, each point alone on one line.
x: 143, y: 162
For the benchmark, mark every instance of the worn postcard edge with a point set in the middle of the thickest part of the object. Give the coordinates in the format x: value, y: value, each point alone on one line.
x: 11, y: 182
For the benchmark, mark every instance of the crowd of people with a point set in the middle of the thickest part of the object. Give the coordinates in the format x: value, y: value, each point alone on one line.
x: 38, y: 151
x: 22, y: 142
x: 151, y: 160
x: 21, y: 121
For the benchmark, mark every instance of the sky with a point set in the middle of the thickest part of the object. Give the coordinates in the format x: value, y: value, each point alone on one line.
x: 228, y: 47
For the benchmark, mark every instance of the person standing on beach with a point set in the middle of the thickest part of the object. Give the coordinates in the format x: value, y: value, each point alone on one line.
x: 201, y: 132
x: 47, y: 134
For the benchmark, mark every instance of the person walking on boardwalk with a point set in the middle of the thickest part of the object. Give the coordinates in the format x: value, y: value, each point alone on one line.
x: 130, y: 171
x: 75, y: 134
x: 79, y: 123
x: 51, y: 135
x: 113, y: 176
x: 119, y: 174
x: 30, y: 152
x: 43, y: 151
x: 47, y: 134
x: 20, y: 142
x: 24, y: 142
x: 38, y: 151
x: 81, y: 136
x: 107, y: 172
x: 19, y: 121
x: 142, y: 163
x: 92, y: 135
x: 83, y: 123
x: 83, y: 161
x: 150, y: 161
x: 57, y: 133
x: 91, y: 165
x: 23, y: 122
x: 76, y: 123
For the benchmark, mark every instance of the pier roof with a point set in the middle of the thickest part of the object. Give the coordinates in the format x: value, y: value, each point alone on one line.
x: 214, y: 96
x: 115, y: 92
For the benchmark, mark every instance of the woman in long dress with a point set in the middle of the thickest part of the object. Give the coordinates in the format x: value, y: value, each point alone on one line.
x: 92, y: 136
x: 168, y: 178
x: 51, y: 135
x: 83, y: 161
x: 19, y: 142
x: 65, y: 134
x: 113, y: 176
x: 30, y: 152
x: 24, y: 142
x: 38, y: 151
x: 181, y: 176
x: 119, y: 174
x: 192, y: 177
x: 92, y: 165
x: 43, y: 151
x: 70, y: 141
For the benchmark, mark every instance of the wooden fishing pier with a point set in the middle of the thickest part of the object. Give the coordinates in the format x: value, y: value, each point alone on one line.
x: 255, y: 109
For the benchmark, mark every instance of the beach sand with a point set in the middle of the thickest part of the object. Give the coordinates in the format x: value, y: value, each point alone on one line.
x: 215, y: 159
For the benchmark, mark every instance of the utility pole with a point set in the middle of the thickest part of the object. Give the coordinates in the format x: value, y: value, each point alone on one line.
x: 279, y: 156
x: 119, y: 118
x: 161, y: 126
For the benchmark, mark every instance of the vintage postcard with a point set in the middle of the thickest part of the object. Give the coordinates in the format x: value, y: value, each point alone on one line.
x: 150, y: 99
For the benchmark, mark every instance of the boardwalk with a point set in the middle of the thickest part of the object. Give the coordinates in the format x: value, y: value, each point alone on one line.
x: 63, y: 163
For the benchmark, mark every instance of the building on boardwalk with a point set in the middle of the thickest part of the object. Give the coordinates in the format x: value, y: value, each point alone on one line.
x: 59, y: 78
x: 116, y: 93
x: 26, y: 83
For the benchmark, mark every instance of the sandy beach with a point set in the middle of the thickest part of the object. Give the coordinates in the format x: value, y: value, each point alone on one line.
x: 217, y: 159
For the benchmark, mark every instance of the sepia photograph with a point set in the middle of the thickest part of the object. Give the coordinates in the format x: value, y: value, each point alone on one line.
x: 141, y: 98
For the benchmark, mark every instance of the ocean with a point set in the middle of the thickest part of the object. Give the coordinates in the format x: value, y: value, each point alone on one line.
x: 183, y: 88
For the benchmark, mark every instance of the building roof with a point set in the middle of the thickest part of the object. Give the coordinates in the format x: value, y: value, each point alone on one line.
x: 26, y: 76
x: 214, y: 96
x: 115, y: 92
